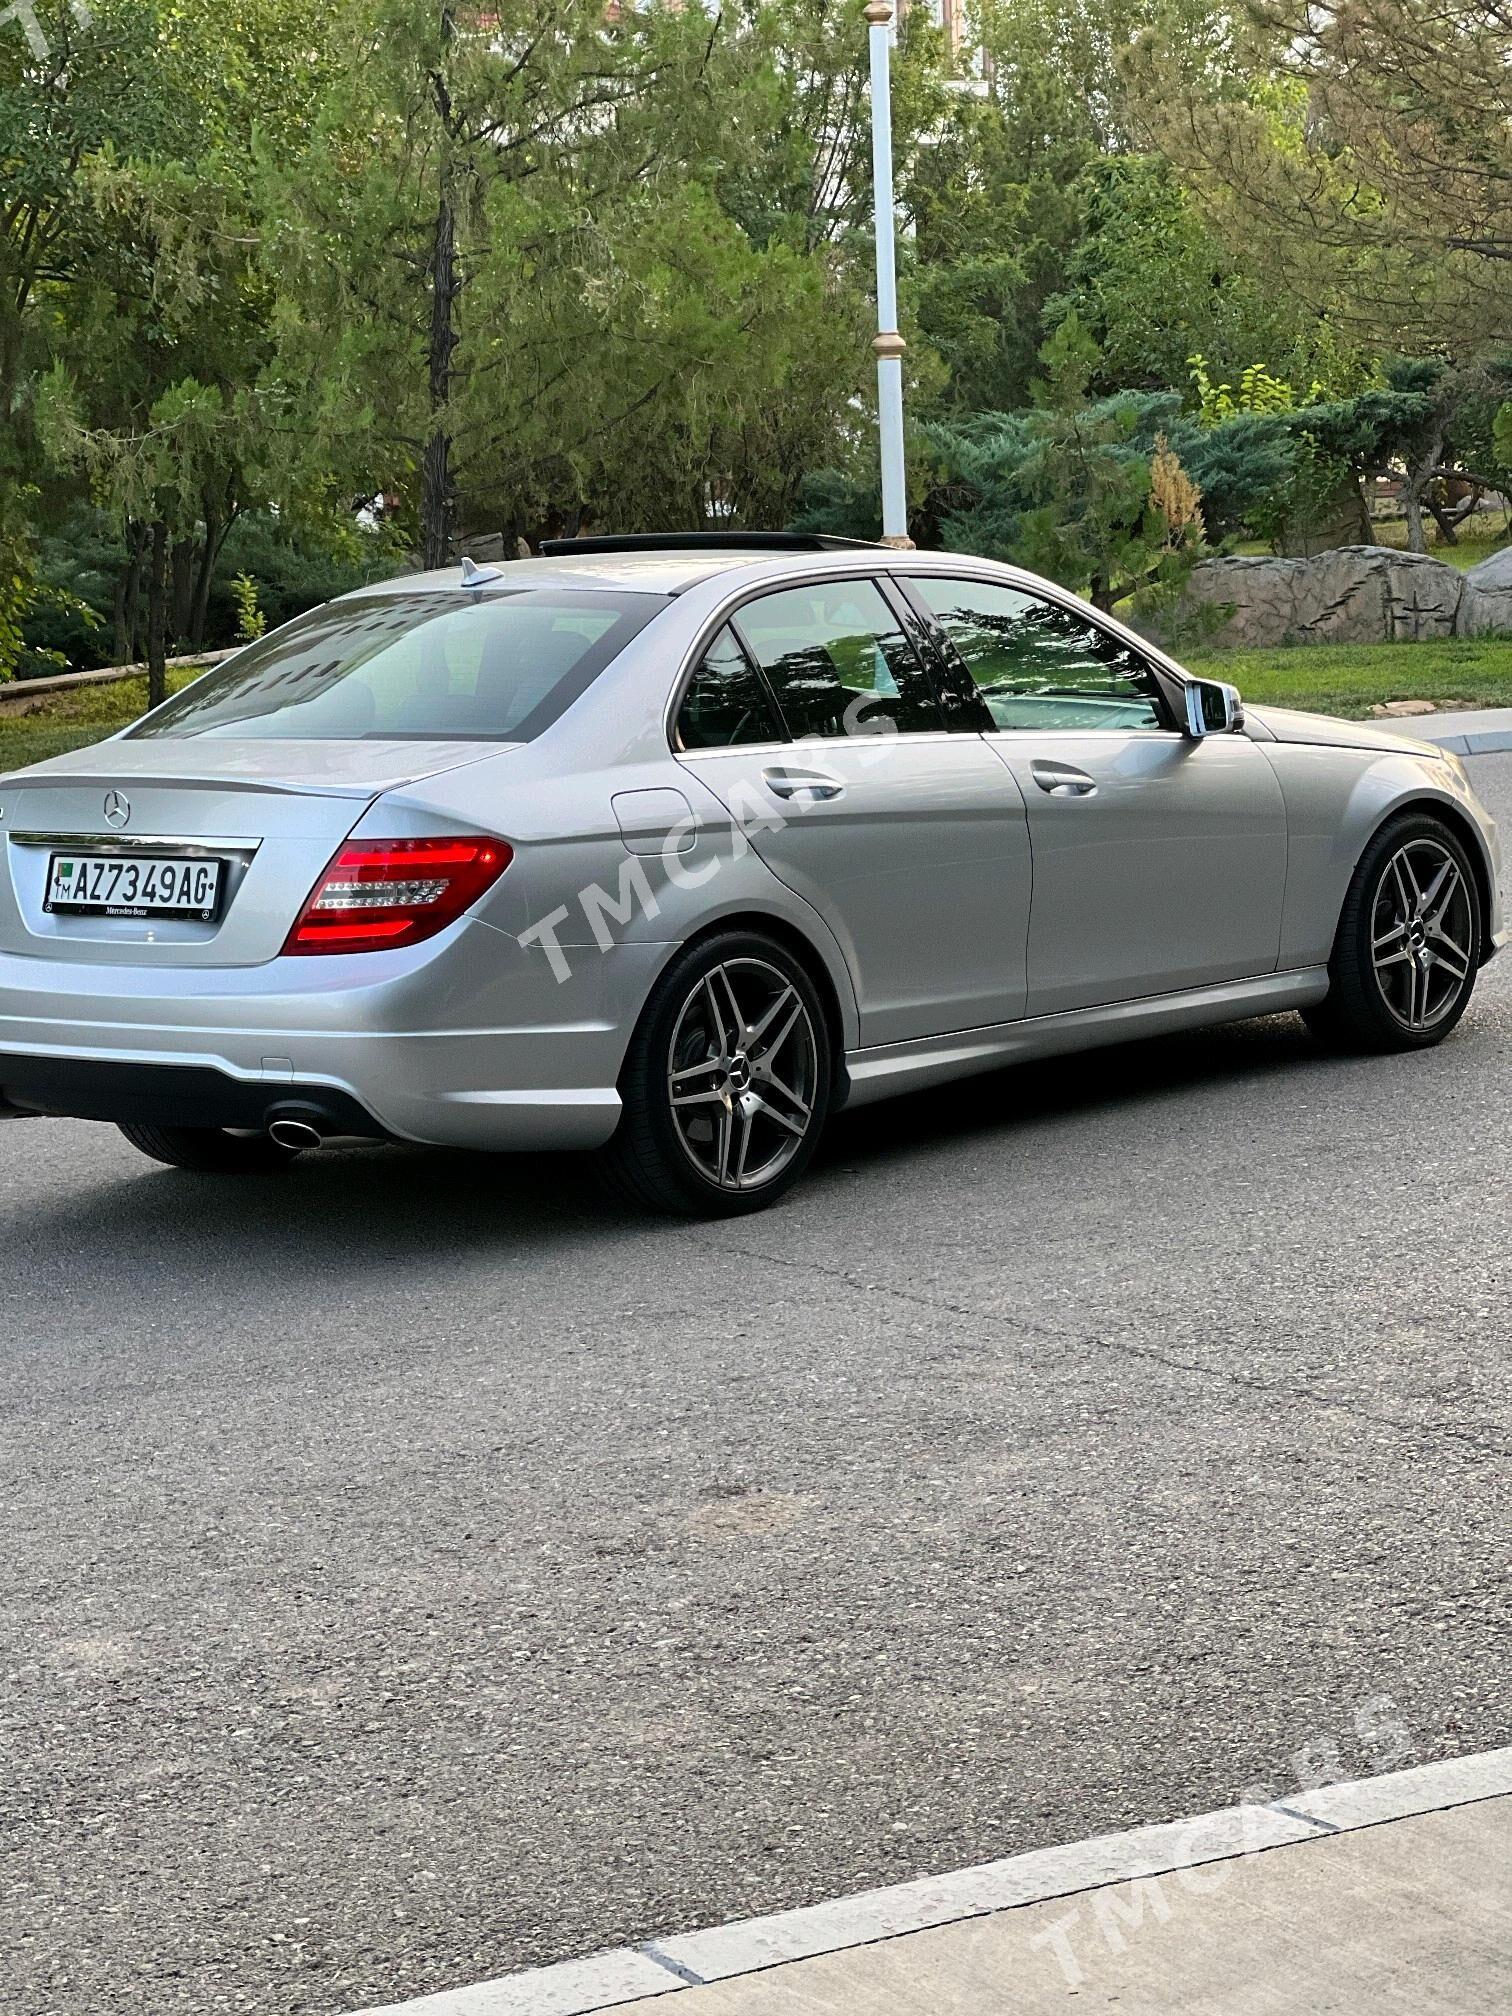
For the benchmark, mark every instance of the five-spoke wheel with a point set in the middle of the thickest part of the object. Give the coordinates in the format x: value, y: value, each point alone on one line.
x: 1409, y: 941
x: 727, y: 1081
x: 742, y: 1068
x: 1423, y: 933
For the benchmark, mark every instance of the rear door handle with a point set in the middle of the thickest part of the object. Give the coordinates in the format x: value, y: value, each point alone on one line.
x: 811, y: 785
x: 1062, y: 780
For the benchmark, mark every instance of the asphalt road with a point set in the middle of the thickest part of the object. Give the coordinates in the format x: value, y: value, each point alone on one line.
x: 415, y: 1568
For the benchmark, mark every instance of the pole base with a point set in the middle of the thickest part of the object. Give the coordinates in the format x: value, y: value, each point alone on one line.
x: 900, y: 543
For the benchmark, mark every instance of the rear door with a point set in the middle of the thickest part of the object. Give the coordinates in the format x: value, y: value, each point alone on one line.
x: 1159, y: 860
x: 814, y: 721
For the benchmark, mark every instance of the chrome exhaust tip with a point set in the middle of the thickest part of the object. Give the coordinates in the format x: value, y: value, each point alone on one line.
x: 293, y: 1134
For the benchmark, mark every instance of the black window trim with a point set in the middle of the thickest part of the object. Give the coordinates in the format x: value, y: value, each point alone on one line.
x: 1074, y: 606
x: 961, y: 707
x: 754, y: 666
x: 880, y: 582
x: 728, y: 614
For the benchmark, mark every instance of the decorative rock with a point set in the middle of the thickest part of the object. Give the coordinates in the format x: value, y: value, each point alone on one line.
x: 1487, y: 607
x: 1401, y: 709
x: 1349, y: 595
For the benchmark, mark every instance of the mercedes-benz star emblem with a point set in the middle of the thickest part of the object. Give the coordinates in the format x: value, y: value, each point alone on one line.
x: 117, y: 808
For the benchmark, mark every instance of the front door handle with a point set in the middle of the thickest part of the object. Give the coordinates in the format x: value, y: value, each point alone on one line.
x: 810, y: 785
x: 1062, y: 780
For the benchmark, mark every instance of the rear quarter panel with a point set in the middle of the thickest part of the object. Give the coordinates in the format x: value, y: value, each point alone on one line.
x: 576, y: 891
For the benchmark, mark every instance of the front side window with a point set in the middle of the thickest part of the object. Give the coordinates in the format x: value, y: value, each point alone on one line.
x: 727, y: 704
x: 413, y: 667
x: 1040, y: 666
x: 838, y: 662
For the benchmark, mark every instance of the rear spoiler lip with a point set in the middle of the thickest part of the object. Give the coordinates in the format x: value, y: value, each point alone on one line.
x: 460, y: 755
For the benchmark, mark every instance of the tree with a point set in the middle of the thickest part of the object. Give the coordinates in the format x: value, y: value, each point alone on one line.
x: 1154, y: 283
x: 461, y: 169
x: 1360, y: 148
x: 158, y: 478
x: 1427, y: 421
x: 991, y: 197
x: 1087, y: 493
x: 152, y: 315
x: 94, y: 89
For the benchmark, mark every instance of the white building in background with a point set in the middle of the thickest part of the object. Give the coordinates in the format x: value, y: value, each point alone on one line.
x: 951, y: 15
x: 947, y: 14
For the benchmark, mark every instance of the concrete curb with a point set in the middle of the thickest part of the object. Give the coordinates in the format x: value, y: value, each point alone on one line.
x: 1485, y: 732
x: 663, y: 1966
x: 15, y: 696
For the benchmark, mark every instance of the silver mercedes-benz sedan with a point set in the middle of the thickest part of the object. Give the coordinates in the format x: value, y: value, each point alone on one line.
x: 668, y: 848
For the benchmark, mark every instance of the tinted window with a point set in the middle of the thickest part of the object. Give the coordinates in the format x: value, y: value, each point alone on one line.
x: 837, y: 660
x: 727, y: 703
x: 1038, y: 665
x: 433, y: 667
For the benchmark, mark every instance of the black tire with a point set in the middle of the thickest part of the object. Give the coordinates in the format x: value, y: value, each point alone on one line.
x: 738, y: 1106
x: 210, y: 1151
x: 1375, y: 1007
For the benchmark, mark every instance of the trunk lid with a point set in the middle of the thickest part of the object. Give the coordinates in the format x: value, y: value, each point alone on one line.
x: 273, y: 811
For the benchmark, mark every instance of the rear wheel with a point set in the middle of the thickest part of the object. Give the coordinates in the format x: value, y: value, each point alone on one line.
x: 726, y: 1084
x: 210, y: 1150
x: 1409, y: 942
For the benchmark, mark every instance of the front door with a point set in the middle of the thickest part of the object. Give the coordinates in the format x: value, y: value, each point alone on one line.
x: 1159, y: 860
x: 814, y: 722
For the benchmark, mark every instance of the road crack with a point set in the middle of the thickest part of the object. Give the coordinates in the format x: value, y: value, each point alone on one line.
x: 1128, y: 1347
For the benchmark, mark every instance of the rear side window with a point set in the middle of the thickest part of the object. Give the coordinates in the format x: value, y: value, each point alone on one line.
x: 727, y: 703
x: 1040, y: 666
x: 418, y: 667
x: 838, y: 662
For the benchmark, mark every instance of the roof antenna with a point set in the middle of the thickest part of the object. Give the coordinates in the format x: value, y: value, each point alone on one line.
x: 474, y: 576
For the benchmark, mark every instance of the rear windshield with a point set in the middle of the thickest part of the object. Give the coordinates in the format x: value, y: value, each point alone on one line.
x: 417, y: 667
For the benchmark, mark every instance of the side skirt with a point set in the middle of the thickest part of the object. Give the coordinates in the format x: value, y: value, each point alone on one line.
x: 932, y: 1060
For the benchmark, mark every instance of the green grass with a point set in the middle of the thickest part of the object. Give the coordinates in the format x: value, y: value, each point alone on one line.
x: 73, y: 720
x: 1349, y: 679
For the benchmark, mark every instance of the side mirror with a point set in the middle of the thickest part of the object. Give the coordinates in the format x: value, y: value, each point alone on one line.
x: 1212, y: 708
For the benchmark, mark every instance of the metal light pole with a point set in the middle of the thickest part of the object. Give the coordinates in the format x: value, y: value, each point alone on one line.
x: 887, y: 343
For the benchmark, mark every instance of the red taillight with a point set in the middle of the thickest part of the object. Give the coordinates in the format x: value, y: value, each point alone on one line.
x: 378, y: 894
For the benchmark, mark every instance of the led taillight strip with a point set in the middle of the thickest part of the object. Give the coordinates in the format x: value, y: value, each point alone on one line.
x: 378, y: 894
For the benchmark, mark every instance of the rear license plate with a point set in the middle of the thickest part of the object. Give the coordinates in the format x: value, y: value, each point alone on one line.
x: 115, y: 885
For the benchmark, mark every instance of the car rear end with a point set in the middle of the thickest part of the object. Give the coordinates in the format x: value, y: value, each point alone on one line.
x: 217, y: 922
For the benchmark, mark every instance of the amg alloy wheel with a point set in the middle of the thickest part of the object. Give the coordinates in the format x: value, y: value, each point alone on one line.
x: 1423, y: 933
x: 1409, y: 942
x: 727, y: 1082
x: 742, y: 1068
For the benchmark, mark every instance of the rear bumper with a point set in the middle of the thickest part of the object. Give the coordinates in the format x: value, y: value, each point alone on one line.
x: 169, y: 1095
x: 469, y: 1042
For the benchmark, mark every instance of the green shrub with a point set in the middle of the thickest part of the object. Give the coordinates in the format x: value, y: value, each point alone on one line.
x: 80, y: 560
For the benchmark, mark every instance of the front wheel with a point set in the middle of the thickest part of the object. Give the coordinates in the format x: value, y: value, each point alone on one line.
x: 726, y: 1083
x: 211, y: 1151
x: 1409, y: 942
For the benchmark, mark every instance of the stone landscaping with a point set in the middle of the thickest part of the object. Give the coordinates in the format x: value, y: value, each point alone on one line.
x: 1349, y: 595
